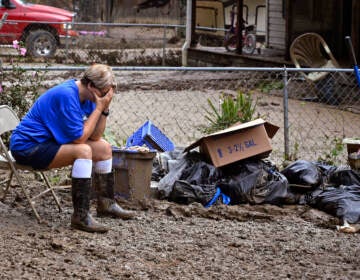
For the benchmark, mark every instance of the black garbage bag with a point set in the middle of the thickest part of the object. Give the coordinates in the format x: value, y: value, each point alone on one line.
x: 199, y: 173
x: 256, y: 183
x: 185, y: 193
x: 342, y: 202
x: 166, y: 183
x: 157, y: 171
x: 325, y: 168
x: 303, y: 173
x: 192, y: 169
x: 344, y: 176
x: 161, y: 162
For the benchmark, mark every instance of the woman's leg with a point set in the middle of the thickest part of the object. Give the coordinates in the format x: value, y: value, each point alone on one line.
x: 104, y: 182
x: 81, y: 157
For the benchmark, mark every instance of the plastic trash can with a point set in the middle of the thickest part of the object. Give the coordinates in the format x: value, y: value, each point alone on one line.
x: 132, y: 173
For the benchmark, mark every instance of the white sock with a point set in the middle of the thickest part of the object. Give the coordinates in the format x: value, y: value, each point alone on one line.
x: 103, y: 166
x: 82, y: 168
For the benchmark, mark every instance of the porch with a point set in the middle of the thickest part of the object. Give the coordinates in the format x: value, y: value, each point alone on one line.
x: 218, y: 56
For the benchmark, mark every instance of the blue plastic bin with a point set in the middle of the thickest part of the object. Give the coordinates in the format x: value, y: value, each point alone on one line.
x: 149, y: 135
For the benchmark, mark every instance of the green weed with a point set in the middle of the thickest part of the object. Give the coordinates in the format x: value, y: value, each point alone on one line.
x: 331, y: 157
x: 267, y: 86
x: 241, y: 109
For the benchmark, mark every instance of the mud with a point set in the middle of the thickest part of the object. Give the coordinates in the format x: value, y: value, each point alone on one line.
x: 171, y: 241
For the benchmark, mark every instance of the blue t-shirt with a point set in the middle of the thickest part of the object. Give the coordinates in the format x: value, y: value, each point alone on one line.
x: 56, y: 115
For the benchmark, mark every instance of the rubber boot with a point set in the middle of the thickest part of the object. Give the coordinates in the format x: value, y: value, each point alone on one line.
x: 106, y: 204
x: 81, y: 218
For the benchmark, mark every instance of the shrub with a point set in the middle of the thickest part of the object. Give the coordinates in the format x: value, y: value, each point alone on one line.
x: 18, y: 87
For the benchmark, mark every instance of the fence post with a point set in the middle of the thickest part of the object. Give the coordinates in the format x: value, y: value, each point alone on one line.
x: 1, y: 75
x: 286, y: 116
x: 66, y: 42
x: 164, y: 46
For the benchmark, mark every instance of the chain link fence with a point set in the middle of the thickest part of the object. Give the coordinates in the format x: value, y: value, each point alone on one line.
x: 313, y: 117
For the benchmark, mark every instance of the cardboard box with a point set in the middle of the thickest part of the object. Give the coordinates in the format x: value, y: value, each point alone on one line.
x: 237, y: 142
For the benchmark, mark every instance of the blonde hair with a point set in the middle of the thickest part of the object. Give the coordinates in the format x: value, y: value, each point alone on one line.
x: 100, y: 75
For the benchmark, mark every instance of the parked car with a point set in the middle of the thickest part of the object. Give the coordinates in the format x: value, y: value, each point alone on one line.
x: 41, y: 28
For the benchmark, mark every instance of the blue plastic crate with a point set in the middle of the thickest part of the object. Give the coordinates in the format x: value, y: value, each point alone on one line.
x: 152, y: 137
x: 135, y: 139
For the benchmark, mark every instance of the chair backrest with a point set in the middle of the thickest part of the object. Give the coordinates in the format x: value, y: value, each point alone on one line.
x: 8, y: 119
x: 8, y: 122
x: 311, y: 50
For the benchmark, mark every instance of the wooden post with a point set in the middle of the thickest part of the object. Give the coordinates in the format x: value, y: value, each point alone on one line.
x: 355, y: 27
x: 288, y: 13
x: 108, y: 7
x: 239, y: 25
x: 193, y: 23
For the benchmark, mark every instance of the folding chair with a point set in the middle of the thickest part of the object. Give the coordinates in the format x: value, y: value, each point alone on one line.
x: 8, y: 122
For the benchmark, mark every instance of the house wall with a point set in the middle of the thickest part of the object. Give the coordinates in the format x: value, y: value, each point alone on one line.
x: 276, y: 28
x: 355, y: 31
x: 311, y: 16
x: 210, y: 14
x: 324, y: 17
x: 249, y: 14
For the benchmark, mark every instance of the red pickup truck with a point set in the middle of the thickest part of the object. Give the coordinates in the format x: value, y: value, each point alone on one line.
x: 42, y: 28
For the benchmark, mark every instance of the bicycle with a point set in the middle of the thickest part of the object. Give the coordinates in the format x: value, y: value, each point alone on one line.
x: 248, y: 36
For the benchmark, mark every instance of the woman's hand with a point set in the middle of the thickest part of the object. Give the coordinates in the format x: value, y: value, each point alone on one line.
x: 103, y: 97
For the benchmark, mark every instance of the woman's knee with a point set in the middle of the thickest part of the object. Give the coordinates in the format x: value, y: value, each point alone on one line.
x: 102, y: 150
x: 83, y: 151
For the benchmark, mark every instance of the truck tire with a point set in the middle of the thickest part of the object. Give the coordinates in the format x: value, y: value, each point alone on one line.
x: 41, y: 43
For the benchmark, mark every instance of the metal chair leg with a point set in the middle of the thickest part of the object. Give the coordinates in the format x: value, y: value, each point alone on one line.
x: 27, y: 196
x: 51, y: 190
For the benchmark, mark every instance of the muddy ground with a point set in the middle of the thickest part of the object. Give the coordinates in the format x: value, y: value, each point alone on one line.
x: 172, y: 241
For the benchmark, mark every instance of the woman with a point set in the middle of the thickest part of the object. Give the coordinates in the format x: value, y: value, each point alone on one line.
x: 64, y: 127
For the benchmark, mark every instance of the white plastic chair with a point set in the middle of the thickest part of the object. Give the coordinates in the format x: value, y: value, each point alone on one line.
x: 310, y: 50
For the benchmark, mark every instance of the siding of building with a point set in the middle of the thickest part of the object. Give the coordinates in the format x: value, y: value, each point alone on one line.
x: 276, y: 28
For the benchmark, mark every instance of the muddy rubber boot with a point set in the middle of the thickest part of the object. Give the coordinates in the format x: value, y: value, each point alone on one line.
x: 81, y: 218
x: 106, y: 204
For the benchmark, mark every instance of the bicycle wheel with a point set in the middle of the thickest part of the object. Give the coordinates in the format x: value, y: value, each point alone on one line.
x: 230, y: 43
x: 249, y: 44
